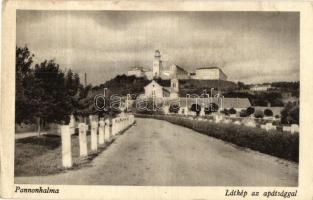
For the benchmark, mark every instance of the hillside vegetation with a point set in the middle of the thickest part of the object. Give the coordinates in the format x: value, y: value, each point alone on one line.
x: 194, y: 86
x: 123, y: 85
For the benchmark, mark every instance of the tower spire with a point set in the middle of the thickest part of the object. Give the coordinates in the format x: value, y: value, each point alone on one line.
x: 157, y: 64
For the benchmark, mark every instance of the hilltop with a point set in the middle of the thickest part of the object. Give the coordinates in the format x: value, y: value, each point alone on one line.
x: 123, y: 85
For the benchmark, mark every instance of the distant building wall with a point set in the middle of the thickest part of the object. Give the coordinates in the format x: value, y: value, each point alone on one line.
x: 148, y: 75
x: 210, y: 74
x: 260, y: 87
x: 135, y: 72
x: 157, y: 64
x: 222, y: 75
x: 153, y: 89
x: 178, y: 72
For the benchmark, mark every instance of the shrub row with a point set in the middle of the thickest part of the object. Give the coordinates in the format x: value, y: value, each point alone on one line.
x: 275, y: 143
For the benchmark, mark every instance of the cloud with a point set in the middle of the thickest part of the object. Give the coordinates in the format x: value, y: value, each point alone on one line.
x: 263, y: 45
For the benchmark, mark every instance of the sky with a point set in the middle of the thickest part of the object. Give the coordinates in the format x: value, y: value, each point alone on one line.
x: 252, y: 47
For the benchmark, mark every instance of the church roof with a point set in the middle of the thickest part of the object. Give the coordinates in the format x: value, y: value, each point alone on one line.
x: 180, y: 68
x: 208, y: 68
x: 168, y: 89
x: 163, y: 82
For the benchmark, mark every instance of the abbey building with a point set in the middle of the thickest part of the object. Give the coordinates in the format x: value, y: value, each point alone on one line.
x: 175, y: 71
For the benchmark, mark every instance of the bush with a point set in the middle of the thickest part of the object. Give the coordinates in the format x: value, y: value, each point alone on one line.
x: 258, y: 114
x: 276, y: 143
x: 268, y: 112
x: 290, y: 114
x: 243, y: 113
x: 225, y: 111
x: 196, y: 108
x: 295, y: 115
x: 232, y: 111
x: 174, y: 108
x: 250, y: 110
x: 213, y: 107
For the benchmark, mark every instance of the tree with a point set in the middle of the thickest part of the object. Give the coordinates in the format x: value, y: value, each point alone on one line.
x: 294, y: 114
x: 243, y: 113
x: 196, y: 108
x: 250, y: 110
x: 258, y: 114
x: 73, y: 88
x: 241, y: 85
x: 225, y: 111
x: 232, y: 111
x: 123, y: 85
x: 268, y: 112
x: 23, y: 83
x: 290, y: 114
x: 213, y: 107
x: 44, y: 93
x: 174, y: 108
x: 51, y: 100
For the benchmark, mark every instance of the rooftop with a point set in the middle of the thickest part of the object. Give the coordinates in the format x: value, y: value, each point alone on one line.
x: 136, y: 68
x: 163, y: 83
x: 179, y: 67
x: 208, y: 68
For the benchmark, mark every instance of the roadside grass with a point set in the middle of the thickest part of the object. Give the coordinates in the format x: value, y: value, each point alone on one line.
x: 276, y: 143
x: 40, y: 156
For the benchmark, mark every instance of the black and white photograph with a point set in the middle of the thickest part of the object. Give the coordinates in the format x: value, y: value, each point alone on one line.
x: 157, y: 98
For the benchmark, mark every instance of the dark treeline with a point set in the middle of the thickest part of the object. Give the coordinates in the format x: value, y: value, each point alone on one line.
x: 44, y: 92
x: 123, y: 85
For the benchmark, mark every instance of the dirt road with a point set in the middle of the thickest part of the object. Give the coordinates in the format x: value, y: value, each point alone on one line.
x: 159, y: 153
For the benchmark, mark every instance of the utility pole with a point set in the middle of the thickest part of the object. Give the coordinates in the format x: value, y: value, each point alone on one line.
x: 104, y: 99
x: 85, y: 79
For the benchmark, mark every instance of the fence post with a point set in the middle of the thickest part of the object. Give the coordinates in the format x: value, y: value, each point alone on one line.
x: 114, y: 126
x: 107, y: 130
x: 72, y: 124
x: 82, y: 140
x: 123, y: 124
x: 294, y: 128
x: 66, y: 146
x: 101, y: 132
x: 269, y: 126
x: 202, y: 113
x: 132, y: 119
x: 118, y: 125
x: 94, y: 142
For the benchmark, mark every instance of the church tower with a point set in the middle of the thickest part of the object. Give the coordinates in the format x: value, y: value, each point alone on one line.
x: 157, y: 64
